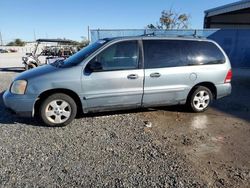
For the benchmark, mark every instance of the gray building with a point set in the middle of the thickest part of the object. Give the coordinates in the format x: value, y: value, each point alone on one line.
x: 234, y: 16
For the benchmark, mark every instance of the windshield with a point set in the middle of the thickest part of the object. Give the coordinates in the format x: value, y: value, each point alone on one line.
x: 82, y: 54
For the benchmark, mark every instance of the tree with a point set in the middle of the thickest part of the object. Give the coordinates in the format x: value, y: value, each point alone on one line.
x: 11, y: 44
x: 151, y: 26
x: 19, y: 42
x: 16, y: 42
x: 171, y: 20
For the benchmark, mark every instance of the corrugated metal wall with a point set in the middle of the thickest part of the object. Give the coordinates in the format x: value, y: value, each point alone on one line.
x: 235, y: 42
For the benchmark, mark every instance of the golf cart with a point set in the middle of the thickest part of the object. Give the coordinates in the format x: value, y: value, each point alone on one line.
x: 59, y: 49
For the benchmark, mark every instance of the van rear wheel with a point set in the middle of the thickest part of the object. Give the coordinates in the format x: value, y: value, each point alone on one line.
x: 58, y: 110
x: 200, y: 99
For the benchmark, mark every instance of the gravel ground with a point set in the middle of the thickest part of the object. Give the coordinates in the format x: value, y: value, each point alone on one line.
x: 150, y: 148
x: 8, y: 60
x: 100, y: 151
x: 13, y: 61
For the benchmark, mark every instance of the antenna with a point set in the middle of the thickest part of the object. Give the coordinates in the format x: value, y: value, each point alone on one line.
x: 88, y: 33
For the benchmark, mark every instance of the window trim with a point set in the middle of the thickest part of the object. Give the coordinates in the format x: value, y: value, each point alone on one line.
x: 139, y: 66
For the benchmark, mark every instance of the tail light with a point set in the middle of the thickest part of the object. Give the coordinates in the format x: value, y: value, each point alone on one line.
x: 229, y: 76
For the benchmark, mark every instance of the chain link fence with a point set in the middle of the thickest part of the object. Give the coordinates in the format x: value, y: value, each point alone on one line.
x: 235, y: 42
x: 100, y: 34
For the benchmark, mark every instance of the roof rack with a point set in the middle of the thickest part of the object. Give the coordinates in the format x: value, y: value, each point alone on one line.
x: 154, y: 34
x: 194, y: 35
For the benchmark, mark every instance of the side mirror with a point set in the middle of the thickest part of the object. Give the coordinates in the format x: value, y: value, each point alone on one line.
x: 95, y: 66
x: 29, y: 54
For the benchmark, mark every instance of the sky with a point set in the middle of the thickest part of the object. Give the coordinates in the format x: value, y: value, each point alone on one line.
x: 27, y: 19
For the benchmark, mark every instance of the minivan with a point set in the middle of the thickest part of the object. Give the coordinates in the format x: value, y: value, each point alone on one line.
x: 123, y: 73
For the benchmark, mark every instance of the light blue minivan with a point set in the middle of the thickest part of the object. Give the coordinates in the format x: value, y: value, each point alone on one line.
x: 123, y: 73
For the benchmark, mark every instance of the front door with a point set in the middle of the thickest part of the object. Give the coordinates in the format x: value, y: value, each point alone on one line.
x: 118, y: 82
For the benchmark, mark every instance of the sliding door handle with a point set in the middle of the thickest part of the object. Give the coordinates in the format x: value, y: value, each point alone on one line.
x: 155, y: 75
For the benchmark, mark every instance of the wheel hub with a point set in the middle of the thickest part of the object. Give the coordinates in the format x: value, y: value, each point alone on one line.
x: 58, y: 111
x: 202, y: 100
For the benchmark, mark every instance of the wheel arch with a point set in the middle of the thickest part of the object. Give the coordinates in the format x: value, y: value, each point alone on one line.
x: 47, y: 93
x: 208, y: 85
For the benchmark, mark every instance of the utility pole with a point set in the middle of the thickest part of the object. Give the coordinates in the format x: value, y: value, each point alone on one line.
x: 88, y: 33
x: 1, y: 39
x: 34, y: 35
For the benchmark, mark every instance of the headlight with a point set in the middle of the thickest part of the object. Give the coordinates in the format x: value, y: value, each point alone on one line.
x: 18, y: 87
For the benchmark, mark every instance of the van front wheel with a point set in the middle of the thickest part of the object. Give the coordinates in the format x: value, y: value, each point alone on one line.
x: 58, y: 110
x: 200, y: 99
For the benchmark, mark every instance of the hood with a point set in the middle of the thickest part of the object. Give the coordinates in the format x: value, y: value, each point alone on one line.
x: 36, y: 72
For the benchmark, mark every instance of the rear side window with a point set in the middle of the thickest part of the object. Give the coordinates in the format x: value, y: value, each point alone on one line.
x: 175, y: 53
x: 200, y: 53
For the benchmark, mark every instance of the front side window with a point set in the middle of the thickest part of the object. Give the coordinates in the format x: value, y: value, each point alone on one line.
x: 119, y: 56
x: 175, y: 53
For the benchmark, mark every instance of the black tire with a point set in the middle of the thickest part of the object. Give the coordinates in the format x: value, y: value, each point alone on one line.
x: 49, y: 114
x: 30, y: 66
x: 203, y: 102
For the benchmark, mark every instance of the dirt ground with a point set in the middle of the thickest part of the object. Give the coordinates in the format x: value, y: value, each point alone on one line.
x: 217, y: 142
x: 163, y: 147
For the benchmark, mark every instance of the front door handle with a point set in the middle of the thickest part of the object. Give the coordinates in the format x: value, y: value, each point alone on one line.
x: 132, y: 76
x: 155, y: 75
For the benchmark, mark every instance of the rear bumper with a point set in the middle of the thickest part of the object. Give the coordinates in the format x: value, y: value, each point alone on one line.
x: 21, y: 105
x: 223, y: 90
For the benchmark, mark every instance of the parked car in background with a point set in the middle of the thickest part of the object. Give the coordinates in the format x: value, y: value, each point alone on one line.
x: 124, y: 73
x: 12, y: 50
x: 3, y: 51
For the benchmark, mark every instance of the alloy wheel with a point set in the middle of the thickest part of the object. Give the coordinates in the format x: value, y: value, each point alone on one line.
x: 58, y: 111
x: 201, y: 100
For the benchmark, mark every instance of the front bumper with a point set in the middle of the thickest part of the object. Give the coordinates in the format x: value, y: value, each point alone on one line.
x: 22, y: 105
